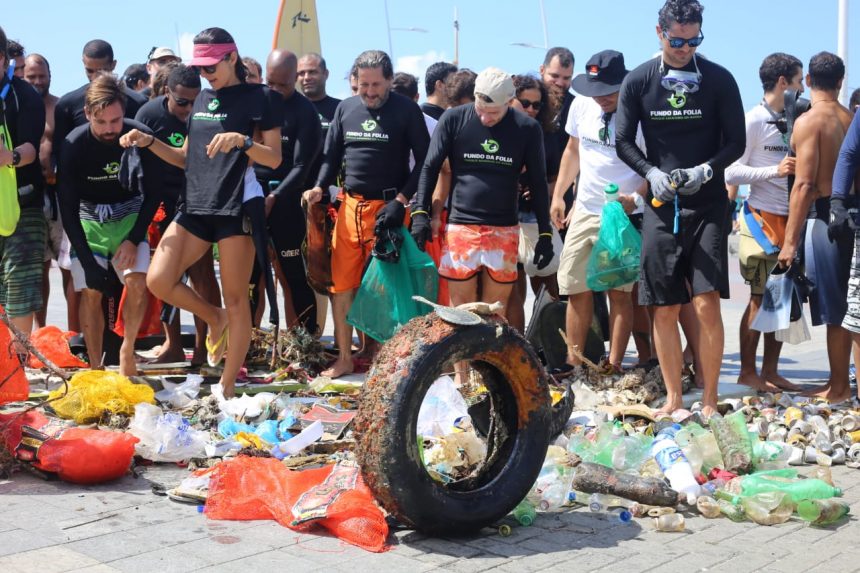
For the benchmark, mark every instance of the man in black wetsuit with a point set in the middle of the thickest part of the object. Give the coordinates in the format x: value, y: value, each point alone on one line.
x: 488, y: 145
x: 301, y: 141
x: 692, y: 119
x: 434, y: 87
x: 371, y: 135
x: 556, y: 73
x: 105, y: 221
x: 69, y: 111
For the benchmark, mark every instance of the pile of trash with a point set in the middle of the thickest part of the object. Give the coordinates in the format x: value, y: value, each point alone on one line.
x: 743, y: 465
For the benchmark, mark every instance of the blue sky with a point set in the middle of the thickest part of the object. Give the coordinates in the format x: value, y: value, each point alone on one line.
x: 738, y: 33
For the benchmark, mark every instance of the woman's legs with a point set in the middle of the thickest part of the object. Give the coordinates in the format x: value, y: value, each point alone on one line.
x: 237, y: 255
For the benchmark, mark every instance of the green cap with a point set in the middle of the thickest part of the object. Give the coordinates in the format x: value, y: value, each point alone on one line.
x: 611, y: 189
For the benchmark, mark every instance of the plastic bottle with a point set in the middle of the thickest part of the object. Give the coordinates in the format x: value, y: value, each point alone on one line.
x: 297, y: 443
x: 771, y: 455
x: 551, y: 488
x: 600, y: 503
x: 674, y: 464
x: 797, y: 491
x: 822, y: 511
x: 768, y: 508
x: 732, y: 511
x: 824, y: 474
x: 734, y: 442
x: 610, y: 192
x: 670, y: 522
x: 713, y: 485
x: 524, y: 513
x: 595, y: 478
x: 708, y: 506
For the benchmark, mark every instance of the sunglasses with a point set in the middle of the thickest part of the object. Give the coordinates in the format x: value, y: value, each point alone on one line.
x: 211, y: 69
x: 679, y: 42
x: 533, y: 104
x: 181, y: 101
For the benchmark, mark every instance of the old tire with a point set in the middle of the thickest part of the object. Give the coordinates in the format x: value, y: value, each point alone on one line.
x: 387, y: 448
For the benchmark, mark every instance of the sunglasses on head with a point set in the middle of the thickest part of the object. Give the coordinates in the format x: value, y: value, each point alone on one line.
x: 181, y: 101
x: 533, y: 104
x: 211, y: 69
x: 679, y: 42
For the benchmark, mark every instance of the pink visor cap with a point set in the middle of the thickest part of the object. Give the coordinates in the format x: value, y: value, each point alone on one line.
x: 210, y: 54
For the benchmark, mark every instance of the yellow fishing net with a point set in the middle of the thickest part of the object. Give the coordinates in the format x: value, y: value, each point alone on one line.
x: 94, y: 392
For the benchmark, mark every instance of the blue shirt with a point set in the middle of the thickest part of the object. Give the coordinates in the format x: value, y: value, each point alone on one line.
x: 848, y: 161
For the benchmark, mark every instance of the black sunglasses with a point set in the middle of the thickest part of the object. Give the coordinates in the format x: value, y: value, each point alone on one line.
x: 181, y: 101
x: 534, y: 104
x: 679, y: 42
x: 211, y: 69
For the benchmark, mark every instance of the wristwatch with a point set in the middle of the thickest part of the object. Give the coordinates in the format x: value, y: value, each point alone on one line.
x: 16, y: 158
x: 247, y: 144
x: 709, y: 172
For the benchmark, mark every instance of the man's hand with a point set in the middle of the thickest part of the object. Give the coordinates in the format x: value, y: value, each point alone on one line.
x: 391, y: 216
x: 661, y: 185
x: 543, y: 251
x: 136, y: 138
x: 270, y: 203
x: 224, y: 143
x: 125, y: 255
x: 786, y: 255
x: 627, y: 202
x: 96, y: 276
x: 842, y: 224
x: 312, y: 196
x: 435, y: 227
x: 786, y: 166
x: 421, y: 229
x: 5, y: 154
x: 695, y: 178
x: 557, y: 212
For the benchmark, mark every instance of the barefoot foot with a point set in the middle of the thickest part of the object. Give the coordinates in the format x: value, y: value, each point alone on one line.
x: 778, y: 380
x: 756, y: 382
x: 341, y: 367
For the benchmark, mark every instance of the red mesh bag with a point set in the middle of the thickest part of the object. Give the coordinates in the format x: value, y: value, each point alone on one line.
x: 433, y: 248
x: 13, y: 381
x: 334, y: 497
x: 151, y: 323
x: 54, y: 344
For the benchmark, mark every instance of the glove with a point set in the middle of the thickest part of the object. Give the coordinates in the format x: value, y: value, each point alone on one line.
x: 842, y: 224
x: 661, y: 185
x: 693, y: 179
x: 391, y: 216
x: 543, y: 250
x: 420, y: 229
x: 96, y: 276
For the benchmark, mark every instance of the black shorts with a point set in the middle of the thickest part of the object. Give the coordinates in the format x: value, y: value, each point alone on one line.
x: 695, y: 261
x: 213, y: 228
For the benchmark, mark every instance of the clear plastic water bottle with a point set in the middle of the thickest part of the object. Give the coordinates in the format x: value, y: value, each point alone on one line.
x: 674, y: 464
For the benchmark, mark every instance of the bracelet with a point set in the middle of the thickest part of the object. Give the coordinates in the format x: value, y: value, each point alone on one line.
x: 419, y: 213
x: 151, y: 141
x: 545, y: 235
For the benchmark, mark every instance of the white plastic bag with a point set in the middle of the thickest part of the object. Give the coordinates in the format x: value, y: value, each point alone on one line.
x: 797, y: 332
x: 180, y: 395
x: 442, y: 406
x: 775, y: 311
x: 165, y: 437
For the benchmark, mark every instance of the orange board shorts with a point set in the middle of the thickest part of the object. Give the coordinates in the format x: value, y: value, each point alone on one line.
x: 469, y: 248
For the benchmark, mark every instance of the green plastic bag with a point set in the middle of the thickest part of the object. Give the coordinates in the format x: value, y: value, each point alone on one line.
x: 384, y: 302
x: 9, y: 209
x: 614, y: 260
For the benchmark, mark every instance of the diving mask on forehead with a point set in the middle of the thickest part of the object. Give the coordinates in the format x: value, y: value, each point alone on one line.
x: 679, y: 81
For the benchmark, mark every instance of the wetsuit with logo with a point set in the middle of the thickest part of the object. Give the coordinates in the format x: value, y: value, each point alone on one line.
x: 485, y: 166
x: 98, y: 212
x: 325, y: 109
x: 172, y: 131
x: 69, y: 112
x: 301, y: 142
x: 682, y: 131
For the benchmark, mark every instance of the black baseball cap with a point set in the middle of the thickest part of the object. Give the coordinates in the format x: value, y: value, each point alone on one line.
x: 603, y: 75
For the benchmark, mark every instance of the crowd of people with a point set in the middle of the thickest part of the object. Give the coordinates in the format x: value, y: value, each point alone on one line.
x: 500, y: 177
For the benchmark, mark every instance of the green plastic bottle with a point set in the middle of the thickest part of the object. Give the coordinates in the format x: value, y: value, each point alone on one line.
x: 822, y: 511
x: 797, y: 491
x: 524, y: 513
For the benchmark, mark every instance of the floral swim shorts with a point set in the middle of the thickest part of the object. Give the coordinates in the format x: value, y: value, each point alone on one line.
x: 469, y: 248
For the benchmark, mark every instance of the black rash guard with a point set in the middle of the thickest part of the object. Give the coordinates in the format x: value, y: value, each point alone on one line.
x: 69, y: 112
x: 301, y: 142
x: 172, y: 131
x: 373, y: 145
x: 91, y: 173
x: 485, y: 164
x: 25, y: 118
x: 432, y: 110
x: 708, y: 127
x: 215, y: 186
x: 325, y: 109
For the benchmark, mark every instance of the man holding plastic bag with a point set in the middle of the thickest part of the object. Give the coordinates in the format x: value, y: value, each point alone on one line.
x: 590, y: 154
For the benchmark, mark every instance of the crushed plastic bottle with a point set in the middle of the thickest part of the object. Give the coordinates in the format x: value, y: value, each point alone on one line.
x: 797, y: 490
x: 550, y: 491
x: 768, y: 508
x: 524, y: 513
x: 822, y: 511
x: 734, y: 442
x: 732, y: 511
x: 670, y: 523
x: 708, y: 506
x: 674, y: 463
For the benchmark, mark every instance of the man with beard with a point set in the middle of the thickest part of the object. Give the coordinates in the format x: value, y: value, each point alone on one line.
x: 106, y: 222
x: 371, y: 135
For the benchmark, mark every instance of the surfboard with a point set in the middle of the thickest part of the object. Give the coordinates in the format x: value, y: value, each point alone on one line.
x: 297, y: 28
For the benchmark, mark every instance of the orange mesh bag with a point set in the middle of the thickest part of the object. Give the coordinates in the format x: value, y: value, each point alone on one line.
x: 54, y: 344
x: 334, y: 497
x: 151, y: 323
x: 13, y: 382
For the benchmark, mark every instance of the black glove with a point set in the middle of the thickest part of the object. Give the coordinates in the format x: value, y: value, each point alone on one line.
x: 390, y: 216
x: 420, y: 229
x: 96, y: 276
x: 543, y: 251
x: 841, y: 222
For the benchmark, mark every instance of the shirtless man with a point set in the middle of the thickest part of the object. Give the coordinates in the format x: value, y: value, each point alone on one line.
x: 816, y: 140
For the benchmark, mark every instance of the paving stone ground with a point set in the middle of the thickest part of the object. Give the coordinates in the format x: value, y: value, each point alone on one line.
x: 52, y: 527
